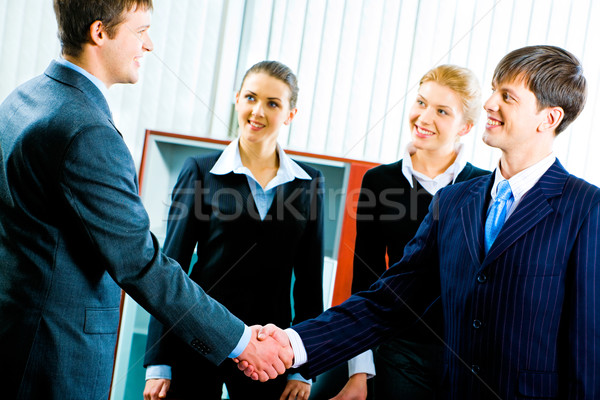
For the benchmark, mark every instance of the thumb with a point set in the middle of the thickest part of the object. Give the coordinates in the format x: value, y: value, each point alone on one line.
x: 164, y: 389
x: 266, y: 331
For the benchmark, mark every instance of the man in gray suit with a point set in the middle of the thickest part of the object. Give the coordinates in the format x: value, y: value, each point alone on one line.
x: 73, y: 228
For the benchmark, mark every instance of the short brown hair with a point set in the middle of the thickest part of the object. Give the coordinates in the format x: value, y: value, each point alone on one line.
x: 74, y: 18
x: 279, y: 71
x: 553, y: 74
x: 461, y: 81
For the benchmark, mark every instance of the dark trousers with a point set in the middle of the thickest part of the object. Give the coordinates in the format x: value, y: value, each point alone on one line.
x: 408, y: 370
x: 204, y: 380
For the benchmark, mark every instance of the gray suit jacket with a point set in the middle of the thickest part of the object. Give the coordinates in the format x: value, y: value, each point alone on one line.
x: 72, y: 230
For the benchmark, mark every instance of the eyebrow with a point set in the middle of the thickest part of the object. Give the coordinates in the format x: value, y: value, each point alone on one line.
x: 505, y: 88
x: 268, y: 98
x: 512, y: 93
x: 420, y: 96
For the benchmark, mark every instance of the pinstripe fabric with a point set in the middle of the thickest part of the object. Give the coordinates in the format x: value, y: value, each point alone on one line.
x: 520, y: 322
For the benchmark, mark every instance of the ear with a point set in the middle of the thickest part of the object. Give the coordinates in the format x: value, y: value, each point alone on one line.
x: 466, y: 129
x: 291, y: 116
x: 552, y: 118
x: 97, y: 33
x: 237, y: 100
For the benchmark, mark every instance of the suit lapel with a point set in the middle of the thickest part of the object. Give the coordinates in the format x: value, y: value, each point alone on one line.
x: 285, y: 196
x: 534, y: 206
x: 472, y: 216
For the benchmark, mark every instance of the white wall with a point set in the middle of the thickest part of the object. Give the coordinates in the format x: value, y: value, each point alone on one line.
x: 358, y: 64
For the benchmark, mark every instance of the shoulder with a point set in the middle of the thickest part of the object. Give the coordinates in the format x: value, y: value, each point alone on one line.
x: 470, y: 171
x: 581, y: 192
x: 385, y: 176
x: 462, y: 191
x: 384, y: 170
x: 201, y: 163
x: 311, y: 171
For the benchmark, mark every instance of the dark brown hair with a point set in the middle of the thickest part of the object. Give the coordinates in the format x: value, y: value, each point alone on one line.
x: 279, y: 71
x: 553, y: 74
x: 74, y: 18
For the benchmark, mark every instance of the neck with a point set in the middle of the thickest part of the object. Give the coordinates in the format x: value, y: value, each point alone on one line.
x: 432, y: 163
x: 520, y: 158
x: 88, y: 61
x: 258, y: 155
x: 512, y: 165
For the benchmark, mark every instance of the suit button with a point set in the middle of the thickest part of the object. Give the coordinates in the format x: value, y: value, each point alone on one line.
x: 477, y: 324
x: 481, y: 278
x: 475, y: 369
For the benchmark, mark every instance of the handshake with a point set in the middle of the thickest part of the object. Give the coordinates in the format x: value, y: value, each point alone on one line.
x: 268, y: 354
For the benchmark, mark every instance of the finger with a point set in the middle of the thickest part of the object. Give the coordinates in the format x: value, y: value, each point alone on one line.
x: 272, y: 372
x: 285, y: 393
x: 279, y: 367
x: 244, y: 365
x: 249, y: 371
x: 266, y: 331
x: 263, y: 376
x: 286, y: 355
x: 294, y: 394
x: 164, y: 390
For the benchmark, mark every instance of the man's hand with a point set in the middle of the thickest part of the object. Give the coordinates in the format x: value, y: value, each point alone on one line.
x: 266, y: 358
x: 296, y: 390
x: 156, y: 389
x: 355, y: 389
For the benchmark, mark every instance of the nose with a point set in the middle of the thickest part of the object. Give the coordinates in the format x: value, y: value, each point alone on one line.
x: 491, y: 103
x: 258, y: 110
x: 147, y: 43
x: 427, y: 115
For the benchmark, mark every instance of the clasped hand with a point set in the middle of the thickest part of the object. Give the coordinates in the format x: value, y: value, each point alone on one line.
x: 268, y: 354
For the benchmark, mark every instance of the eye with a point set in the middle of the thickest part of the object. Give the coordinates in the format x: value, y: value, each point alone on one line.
x: 273, y: 104
x: 442, y: 112
x: 506, y: 96
x: 421, y: 103
x: 249, y: 97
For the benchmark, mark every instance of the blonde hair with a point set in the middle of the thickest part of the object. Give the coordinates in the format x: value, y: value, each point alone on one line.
x: 461, y: 81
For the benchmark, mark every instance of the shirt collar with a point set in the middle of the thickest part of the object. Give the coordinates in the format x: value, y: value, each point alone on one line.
x: 524, y: 180
x: 231, y: 162
x: 453, y: 170
x: 97, y: 82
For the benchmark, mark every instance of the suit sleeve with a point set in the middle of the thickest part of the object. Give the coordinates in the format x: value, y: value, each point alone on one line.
x: 584, y: 326
x: 184, y: 229
x: 308, y: 265
x: 98, y: 182
x: 369, y: 248
x: 396, y: 300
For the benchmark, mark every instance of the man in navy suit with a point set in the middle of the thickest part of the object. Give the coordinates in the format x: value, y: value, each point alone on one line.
x: 515, y: 257
x: 73, y: 228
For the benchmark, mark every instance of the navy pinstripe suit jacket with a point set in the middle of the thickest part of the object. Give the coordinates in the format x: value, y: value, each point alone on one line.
x: 521, y: 322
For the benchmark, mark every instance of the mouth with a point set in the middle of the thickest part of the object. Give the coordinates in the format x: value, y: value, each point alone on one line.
x: 255, y: 125
x: 493, y: 123
x: 421, y: 132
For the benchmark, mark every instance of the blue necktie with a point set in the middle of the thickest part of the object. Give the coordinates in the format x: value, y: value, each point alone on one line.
x: 497, y: 213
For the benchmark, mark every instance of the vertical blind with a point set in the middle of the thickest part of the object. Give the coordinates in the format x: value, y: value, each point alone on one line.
x: 358, y: 63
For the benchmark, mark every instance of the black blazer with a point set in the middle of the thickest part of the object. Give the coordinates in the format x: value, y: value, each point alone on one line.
x: 389, y: 212
x: 237, y: 252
